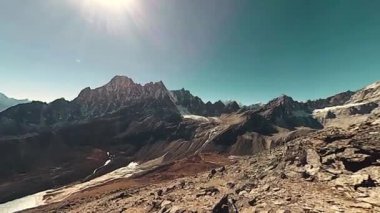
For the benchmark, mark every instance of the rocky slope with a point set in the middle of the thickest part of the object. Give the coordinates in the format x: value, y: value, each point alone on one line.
x: 331, y: 170
x: 121, y: 122
x: 356, y: 107
x: 6, y: 102
x: 370, y: 93
x: 68, y: 140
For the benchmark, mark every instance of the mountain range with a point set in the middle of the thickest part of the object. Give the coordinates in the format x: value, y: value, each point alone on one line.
x: 6, y: 102
x: 57, y: 143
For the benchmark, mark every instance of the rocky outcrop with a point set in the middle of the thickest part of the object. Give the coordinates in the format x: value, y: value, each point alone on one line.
x: 327, y: 170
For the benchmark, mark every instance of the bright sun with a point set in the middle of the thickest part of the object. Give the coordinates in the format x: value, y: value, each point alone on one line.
x: 111, y: 15
x: 110, y: 5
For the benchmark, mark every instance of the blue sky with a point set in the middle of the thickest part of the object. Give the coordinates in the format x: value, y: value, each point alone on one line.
x: 250, y: 51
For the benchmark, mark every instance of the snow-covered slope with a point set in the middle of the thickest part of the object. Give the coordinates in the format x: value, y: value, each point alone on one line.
x: 56, y: 195
x: 371, y: 93
x: 360, y: 105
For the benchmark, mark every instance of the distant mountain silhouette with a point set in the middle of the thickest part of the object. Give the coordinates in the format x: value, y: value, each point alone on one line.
x: 6, y: 102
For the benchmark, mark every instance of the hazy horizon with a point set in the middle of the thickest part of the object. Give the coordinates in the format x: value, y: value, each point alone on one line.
x: 248, y: 51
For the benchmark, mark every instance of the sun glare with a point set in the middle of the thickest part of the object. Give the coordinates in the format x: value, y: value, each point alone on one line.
x: 113, y: 6
x: 113, y: 16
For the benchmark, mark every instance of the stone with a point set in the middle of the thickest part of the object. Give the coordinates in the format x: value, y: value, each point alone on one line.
x: 265, y: 187
x: 165, y: 203
x: 210, y: 191
x: 324, y: 176
x: 226, y: 204
x: 373, y: 197
x: 221, y: 169
x: 361, y: 205
x: 242, y: 193
x: 230, y: 185
x: 313, y: 162
x: 355, y: 181
x: 212, y: 173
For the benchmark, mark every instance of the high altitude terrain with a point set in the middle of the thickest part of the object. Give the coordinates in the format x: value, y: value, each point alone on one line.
x: 293, y: 152
x: 6, y: 102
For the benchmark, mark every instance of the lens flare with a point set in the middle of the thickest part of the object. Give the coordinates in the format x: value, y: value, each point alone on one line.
x: 112, y: 16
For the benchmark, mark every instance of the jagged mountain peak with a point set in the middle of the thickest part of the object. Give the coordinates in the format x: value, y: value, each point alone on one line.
x: 190, y: 104
x: 120, y: 92
x: 125, y: 86
x: 280, y: 101
x: 370, y: 93
x: 120, y: 82
x: 285, y: 112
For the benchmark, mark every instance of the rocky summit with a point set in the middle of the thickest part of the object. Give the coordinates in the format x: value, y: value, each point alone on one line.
x: 126, y: 147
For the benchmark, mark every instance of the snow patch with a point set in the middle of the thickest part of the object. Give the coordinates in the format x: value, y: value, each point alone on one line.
x: 27, y: 202
x: 56, y: 195
x: 336, y: 108
x: 196, y: 117
x: 107, y: 162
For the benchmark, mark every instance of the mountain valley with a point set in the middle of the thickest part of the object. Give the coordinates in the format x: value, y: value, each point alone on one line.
x: 191, y: 156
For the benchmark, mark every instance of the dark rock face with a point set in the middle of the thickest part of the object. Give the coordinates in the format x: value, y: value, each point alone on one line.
x: 360, y: 109
x: 232, y: 106
x: 69, y: 147
x: 120, y: 92
x: 330, y: 115
x: 189, y: 104
x: 335, y: 100
x: 120, y: 117
x: 287, y: 113
x: 242, y: 137
x: 225, y: 205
